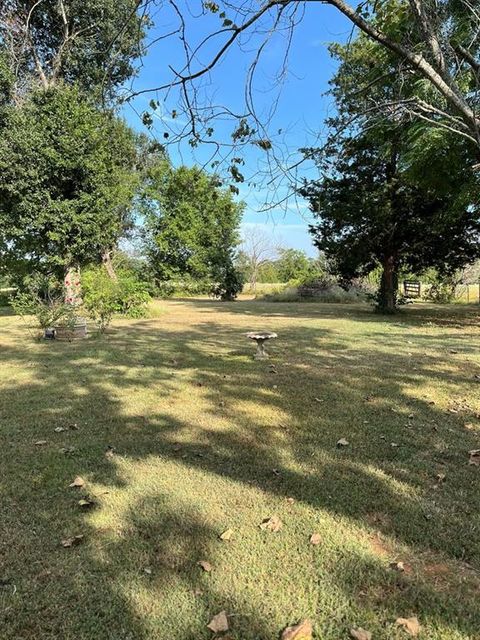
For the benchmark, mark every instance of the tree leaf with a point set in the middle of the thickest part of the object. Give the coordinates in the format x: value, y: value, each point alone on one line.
x: 73, y: 541
x: 315, y: 538
x: 86, y: 502
x: 360, y: 634
x: 397, y: 566
x: 40, y: 443
x: 226, y: 535
x: 342, y: 442
x: 474, y: 457
x: 301, y: 631
x: 410, y: 625
x: 78, y: 482
x: 219, y: 622
x: 206, y: 566
x: 271, y: 524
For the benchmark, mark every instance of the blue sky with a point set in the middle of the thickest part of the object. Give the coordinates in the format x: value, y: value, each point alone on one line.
x: 300, y: 113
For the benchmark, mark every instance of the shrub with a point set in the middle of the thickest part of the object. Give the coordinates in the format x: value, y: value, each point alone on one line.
x: 103, y: 297
x: 6, y: 296
x: 230, y: 286
x: 440, y: 292
x: 44, y: 298
x: 333, y: 294
x: 187, y: 287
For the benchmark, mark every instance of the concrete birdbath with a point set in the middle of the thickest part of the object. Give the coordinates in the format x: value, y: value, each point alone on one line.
x: 260, y: 338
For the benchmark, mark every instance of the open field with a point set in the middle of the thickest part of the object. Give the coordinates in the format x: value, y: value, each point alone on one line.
x: 206, y: 439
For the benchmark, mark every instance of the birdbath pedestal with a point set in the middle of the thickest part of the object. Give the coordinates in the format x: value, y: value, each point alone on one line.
x: 260, y: 338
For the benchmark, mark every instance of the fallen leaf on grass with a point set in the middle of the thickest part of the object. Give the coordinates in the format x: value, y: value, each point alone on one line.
x: 360, y: 634
x: 474, y: 457
x: 219, y: 622
x: 342, y: 442
x: 226, y: 535
x: 78, y: 482
x: 109, y: 452
x: 315, y: 538
x: 301, y: 631
x: 410, y: 625
x: 73, y: 541
x: 397, y: 566
x: 206, y: 566
x: 59, y: 429
x: 271, y: 524
x: 86, y: 503
x: 40, y: 443
x: 67, y: 450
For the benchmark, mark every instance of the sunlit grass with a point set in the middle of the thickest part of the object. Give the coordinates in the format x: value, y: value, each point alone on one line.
x: 205, y: 438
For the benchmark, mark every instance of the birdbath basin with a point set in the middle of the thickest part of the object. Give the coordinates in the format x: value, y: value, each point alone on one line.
x: 260, y: 338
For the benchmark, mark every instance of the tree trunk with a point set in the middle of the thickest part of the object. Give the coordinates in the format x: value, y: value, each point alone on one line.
x: 107, y: 261
x: 72, y: 286
x: 387, y: 296
x: 253, y: 280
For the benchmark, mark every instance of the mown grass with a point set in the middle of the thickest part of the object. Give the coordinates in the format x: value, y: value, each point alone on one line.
x: 207, y: 439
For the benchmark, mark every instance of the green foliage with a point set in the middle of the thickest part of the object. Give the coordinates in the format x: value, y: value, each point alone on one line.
x: 44, y: 298
x: 191, y: 225
x: 103, y: 297
x: 294, y: 264
x: 394, y: 192
x: 290, y: 265
x: 230, y: 283
x: 133, y: 295
x: 440, y: 292
x: 66, y: 183
x: 94, y: 44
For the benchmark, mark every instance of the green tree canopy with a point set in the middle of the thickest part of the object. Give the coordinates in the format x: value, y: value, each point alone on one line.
x: 66, y: 182
x: 293, y: 264
x: 92, y: 43
x: 191, y: 223
x: 370, y: 212
x: 393, y: 191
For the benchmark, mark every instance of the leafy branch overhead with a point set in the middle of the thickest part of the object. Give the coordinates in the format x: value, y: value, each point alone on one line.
x: 430, y: 44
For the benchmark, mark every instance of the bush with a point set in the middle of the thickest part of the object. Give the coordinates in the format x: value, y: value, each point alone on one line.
x: 187, y: 287
x: 333, y: 294
x: 103, y: 297
x: 440, y: 292
x: 6, y: 296
x: 230, y: 286
x: 44, y: 298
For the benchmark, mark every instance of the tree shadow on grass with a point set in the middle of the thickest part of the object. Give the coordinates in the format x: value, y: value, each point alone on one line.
x: 288, y: 450
x: 417, y: 314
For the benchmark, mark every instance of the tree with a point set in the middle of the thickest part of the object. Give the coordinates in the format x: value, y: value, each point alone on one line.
x: 257, y: 250
x: 67, y: 181
x: 293, y: 264
x: 191, y: 225
x: 92, y: 43
x: 371, y: 212
x: 393, y: 192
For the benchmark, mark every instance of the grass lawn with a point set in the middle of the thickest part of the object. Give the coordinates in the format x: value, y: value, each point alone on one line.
x: 206, y: 439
